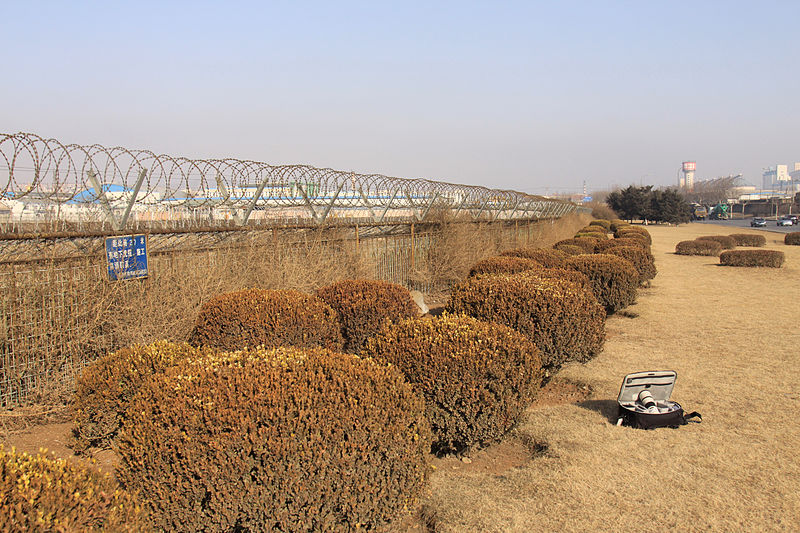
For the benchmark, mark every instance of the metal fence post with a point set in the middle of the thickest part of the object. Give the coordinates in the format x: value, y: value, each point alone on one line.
x: 101, y: 196
x: 134, y: 194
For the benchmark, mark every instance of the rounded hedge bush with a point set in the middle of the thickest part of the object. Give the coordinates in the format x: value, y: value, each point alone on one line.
x: 571, y: 249
x: 709, y: 248
x: 587, y: 245
x: 642, y: 260
x: 362, y: 305
x: 262, y: 317
x: 748, y: 239
x: 561, y: 316
x: 591, y: 235
x: 605, y: 224
x: 503, y: 264
x: 614, y: 279
x: 752, y: 258
x: 477, y: 377
x: 287, y: 439
x: 728, y: 243
x: 612, y: 243
x: 544, y: 256
x: 593, y: 229
x: 617, y: 224
x: 792, y: 238
x: 564, y: 273
x: 39, y: 493
x: 634, y: 235
x: 556, y: 273
x: 106, y: 387
x: 637, y: 230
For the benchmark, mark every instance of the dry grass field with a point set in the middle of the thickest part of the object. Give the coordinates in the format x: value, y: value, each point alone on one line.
x: 732, y: 336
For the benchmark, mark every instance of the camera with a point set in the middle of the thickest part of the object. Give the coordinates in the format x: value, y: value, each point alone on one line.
x: 646, y: 400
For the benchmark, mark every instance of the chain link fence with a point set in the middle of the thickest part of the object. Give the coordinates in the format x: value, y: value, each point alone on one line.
x: 57, y: 315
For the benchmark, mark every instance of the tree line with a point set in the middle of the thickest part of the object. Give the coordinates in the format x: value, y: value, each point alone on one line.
x: 645, y: 203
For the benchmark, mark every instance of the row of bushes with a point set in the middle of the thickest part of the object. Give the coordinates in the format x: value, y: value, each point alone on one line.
x: 792, y: 238
x: 543, y: 292
x: 559, y: 315
x: 712, y: 245
x: 723, y: 246
x: 263, y: 423
x: 325, y: 440
x: 614, y: 277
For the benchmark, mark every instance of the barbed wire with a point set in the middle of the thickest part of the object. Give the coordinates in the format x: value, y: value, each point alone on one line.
x: 96, y: 181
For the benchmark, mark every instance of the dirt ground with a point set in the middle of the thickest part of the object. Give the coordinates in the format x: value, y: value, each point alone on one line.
x: 731, y: 335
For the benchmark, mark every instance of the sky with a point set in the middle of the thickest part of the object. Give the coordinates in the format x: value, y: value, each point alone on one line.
x: 538, y: 97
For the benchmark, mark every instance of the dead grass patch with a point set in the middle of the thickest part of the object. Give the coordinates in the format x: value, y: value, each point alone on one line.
x: 738, y: 470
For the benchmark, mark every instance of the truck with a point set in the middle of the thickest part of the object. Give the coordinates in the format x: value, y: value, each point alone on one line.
x: 719, y: 212
x: 699, y: 212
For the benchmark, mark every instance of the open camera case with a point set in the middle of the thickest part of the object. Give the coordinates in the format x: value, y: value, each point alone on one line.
x: 660, y: 384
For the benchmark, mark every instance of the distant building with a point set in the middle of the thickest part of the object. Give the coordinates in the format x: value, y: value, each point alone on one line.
x: 776, y: 178
x: 795, y: 177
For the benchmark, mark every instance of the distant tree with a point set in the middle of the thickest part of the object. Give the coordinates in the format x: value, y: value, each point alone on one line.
x: 632, y: 202
x: 669, y: 206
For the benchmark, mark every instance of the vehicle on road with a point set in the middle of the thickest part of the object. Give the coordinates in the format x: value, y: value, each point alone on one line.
x: 699, y: 212
x: 719, y: 212
x: 784, y: 221
x: 758, y: 222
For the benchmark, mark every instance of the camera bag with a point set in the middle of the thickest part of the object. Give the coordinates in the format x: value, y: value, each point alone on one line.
x: 659, y: 384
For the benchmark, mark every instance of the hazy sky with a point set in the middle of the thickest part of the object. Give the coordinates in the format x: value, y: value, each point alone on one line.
x: 532, y: 96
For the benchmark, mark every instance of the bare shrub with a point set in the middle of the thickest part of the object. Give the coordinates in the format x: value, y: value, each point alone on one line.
x: 698, y: 247
x: 748, y: 239
x: 629, y: 231
x: 792, y: 238
x: 452, y: 251
x: 106, y: 387
x: 611, y: 243
x: 561, y: 316
x: 728, y: 243
x: 506, y: 264
x: 477, y: 378
x: 602, y: 211
x: 40, y: 493
x: 586, y: 244
x: 287, y: 439
x: 597, y: 235
x: 614, y: 279
x: 363, y: 305
x: 570, y: 249
x: 603, y: 223
x: 752, y: 258
x: 642, y: 260
x: 263, y: 317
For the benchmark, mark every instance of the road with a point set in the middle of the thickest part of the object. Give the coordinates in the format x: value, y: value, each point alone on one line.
x: 745, y: 223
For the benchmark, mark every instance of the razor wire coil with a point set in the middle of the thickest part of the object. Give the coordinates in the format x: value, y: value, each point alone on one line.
x: 47, y: 171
